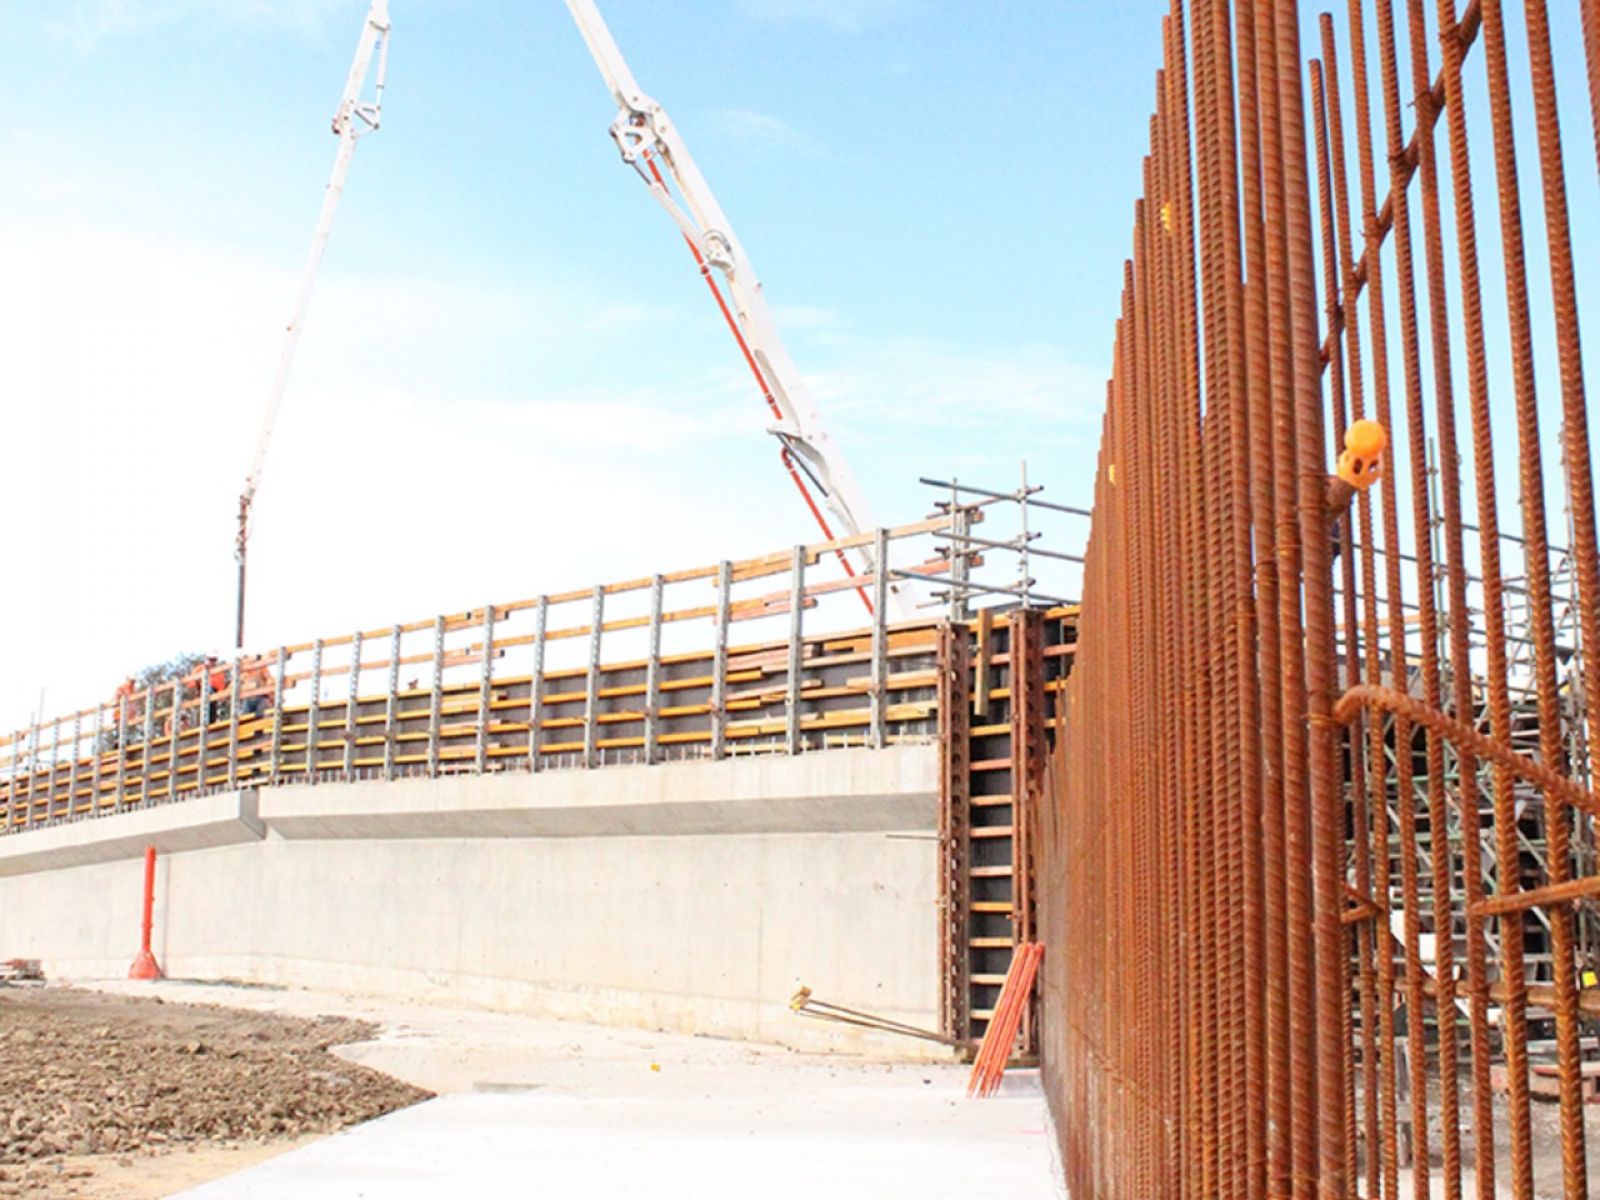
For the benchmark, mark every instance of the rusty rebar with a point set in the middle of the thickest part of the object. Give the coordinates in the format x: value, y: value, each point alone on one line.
x: 1586, y: 568
x: 1252, y: 780
x: 1333, y: 314
x: 1591, y: 54
x: 1455, y: 616
x: 1367, y: 764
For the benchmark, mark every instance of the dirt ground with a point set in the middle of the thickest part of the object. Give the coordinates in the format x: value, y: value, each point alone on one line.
x: 117, y: 1097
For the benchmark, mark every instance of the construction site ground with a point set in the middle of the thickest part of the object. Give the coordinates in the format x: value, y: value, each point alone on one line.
x: 566, y: 1108
x: 122, y: 1098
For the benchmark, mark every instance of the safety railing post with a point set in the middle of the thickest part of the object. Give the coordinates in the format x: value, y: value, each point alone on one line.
x: 12, y: 778
x: 352, y: 708
x: 47, y: 784
x: 13, y: 771
x: 55, y: 761
x: 797, y: 605
x: 436, y: 696
x: 955, y: 816
x: 235, y: 686
x: 203, y: 728
x: 591, y: 706
x: 314, y: 712
x: 14, y: 789
x: 485, y: 691
x: 391, y: 703
x: 72, y: 769
x: 652, y: 674
x: 536, y: 683
x: 719, y: 664
x: 175, y: 739
x: 33, y: 768
x: 19, y: 778
x: 275, y: 763
x: 960, y: 558
x: 99, y: 752
x: 145, y: 766
x: 122, y: 750
x: 880, y: 639
x: 98, y: 737
x: 15, y: 781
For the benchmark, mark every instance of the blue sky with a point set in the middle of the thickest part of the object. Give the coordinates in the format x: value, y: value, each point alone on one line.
x: 936, y: 197
x: 512, y: 380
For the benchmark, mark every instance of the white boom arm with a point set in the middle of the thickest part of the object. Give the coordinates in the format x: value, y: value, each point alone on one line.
x: 645, y: 134
x: 353, y: 118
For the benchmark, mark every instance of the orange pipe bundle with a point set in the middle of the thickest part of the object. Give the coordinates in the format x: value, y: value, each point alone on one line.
x: 1001, y: 1035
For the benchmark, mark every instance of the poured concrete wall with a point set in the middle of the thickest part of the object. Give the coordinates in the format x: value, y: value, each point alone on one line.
x: 691, y: 896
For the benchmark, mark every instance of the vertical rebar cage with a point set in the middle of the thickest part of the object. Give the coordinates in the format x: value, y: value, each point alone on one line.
x: 1316, y: 867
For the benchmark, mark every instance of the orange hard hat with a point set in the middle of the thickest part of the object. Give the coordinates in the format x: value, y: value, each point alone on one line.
x: 1361, y: 464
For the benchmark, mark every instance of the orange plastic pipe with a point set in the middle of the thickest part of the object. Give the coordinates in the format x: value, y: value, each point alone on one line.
x: 144, y: 963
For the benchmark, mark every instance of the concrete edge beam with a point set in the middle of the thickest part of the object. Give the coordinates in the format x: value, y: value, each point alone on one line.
x: 220, y: 819
x: 831, y: 814
x: 839, y: 790
x: 892, y: 789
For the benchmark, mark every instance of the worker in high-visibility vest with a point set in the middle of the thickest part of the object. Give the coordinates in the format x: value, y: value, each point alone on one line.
x: 255, y: 686
x: 216, y: 675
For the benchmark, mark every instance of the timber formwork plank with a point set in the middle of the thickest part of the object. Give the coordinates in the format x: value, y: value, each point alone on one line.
x: 451, y: 724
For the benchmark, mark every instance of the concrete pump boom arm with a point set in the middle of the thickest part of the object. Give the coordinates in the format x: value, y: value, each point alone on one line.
x: 353, y: 118
x: 646, y: 136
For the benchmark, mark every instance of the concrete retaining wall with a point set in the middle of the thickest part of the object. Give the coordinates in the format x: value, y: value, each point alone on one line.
x: 694, y: 897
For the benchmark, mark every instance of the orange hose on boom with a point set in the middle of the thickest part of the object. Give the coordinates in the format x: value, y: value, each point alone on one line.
x: 766, y: 391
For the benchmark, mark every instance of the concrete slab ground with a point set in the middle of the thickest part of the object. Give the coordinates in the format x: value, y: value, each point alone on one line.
x: 530, y: 1107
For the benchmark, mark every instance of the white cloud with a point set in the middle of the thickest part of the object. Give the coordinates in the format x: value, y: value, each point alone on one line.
x: 933, y: 382
x: 399, y: 482
x: 648, y: 423
x: 762, y: 131
x: 881, y: 381
x: 442, y: 443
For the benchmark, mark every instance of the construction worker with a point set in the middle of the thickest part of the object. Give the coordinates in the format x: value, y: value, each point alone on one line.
x: 215, y: 674
x: 255, y: 686
x: 219, y: 688
x: 176, y: 720
x: 1359, y: 467
x: 1360, y: 464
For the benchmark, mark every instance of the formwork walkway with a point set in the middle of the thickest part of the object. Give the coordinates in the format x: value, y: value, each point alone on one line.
x: 530, y: 1107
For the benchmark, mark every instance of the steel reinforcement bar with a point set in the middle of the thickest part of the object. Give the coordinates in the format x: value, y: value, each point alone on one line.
x: 1316, y: 864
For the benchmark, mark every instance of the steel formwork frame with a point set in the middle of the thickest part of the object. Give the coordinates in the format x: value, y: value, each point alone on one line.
x: 655, y: 668
x: 955, y: 846
x: 301, y: 713
x: 1316, y: 859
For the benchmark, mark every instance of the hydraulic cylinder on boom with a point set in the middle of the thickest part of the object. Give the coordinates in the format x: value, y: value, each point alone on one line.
x: 651, y: 144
